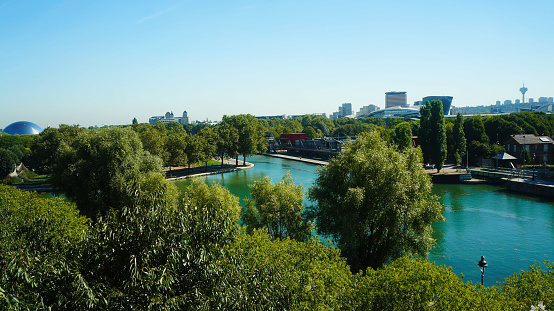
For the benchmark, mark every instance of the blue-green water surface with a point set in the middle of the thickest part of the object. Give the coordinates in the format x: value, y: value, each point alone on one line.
x: 511, y: 231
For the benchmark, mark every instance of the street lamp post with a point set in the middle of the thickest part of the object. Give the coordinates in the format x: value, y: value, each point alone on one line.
x: 482, y: 265
x: 522, y: 152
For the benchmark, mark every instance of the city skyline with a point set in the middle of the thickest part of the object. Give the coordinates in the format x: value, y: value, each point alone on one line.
x: 102, y: 62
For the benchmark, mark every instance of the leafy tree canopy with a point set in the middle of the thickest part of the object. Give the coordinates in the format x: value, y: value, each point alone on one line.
x: 375, y: 203
x: 96, y: 169
x: 278, y: 208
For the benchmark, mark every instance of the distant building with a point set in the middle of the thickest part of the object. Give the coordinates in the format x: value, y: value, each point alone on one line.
x: 518, y: 101
x: 546, y: 108
x: 508, y: 102
x: 498, y: 103
x: 531, y: 100
x: 396, y: 112
x: 396, y: 99
x: 169, y: 117
x: 551, y: 100
x: 344, y: 111
x: 446, y: 102
x: 292, y: 139
x: 418, y: 103
x: 365, y: 110
x: 22, y: 128
x: 537, y: 146
x: 543, y: 100
x: 283, y: 116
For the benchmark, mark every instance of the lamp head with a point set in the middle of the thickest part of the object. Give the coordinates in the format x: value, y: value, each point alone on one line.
x: 482, y: 263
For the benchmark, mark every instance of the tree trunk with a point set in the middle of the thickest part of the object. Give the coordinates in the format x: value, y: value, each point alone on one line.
x: 243, y: 160
x: 237, y: 161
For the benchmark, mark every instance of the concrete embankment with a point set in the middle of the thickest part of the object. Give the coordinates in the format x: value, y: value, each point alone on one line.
x: 532, y: 187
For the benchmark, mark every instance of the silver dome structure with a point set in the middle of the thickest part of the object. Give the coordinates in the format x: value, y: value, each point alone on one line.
x: 22, y: 128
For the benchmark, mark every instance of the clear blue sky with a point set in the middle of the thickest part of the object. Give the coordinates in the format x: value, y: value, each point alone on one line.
x: 106, y: 62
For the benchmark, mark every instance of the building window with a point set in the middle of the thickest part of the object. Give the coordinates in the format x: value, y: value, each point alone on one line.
x: 545, y: 148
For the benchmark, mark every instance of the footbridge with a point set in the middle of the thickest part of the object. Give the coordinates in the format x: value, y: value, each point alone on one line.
x: 498, y: 173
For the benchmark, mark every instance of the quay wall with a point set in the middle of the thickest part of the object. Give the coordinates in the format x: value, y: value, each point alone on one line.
x: 544, y: 190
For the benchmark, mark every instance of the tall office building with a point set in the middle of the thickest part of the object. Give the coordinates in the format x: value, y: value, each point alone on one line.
x: 396, y: 99
x: 365, y: 110
x: 446, y: 102
x: 345, y: 110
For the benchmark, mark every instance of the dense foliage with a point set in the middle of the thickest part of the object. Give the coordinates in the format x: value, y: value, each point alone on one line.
x: 195, y: 257
x: 100, y: 170
x: 433, y: 133
x: 277, y: 208
x: 375, y: 203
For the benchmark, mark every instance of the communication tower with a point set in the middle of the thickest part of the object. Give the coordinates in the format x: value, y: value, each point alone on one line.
x: 523, y: 90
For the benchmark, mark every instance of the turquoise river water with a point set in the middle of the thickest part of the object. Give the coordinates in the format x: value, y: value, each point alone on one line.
x: 512, y: 231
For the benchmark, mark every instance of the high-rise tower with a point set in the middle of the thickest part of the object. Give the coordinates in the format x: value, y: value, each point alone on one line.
x: 523, y: 90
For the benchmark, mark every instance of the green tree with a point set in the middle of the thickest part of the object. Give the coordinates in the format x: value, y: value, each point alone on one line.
x: 474, y: 130
x: 438, y: 134
x: 311, y: 132
x: 227, y: 144
x: 266, y: 274
x: 154, y: 141
x: 194, y: 150
x: 157, y: 256
x: 45, y: 146
x: 8, y: 161
x: 251, y: 138
x: 135, y: 121
x: 425, y: 136
x: 98, y: 168
x: 175, y: 149
x: 278, y: 208
x: 209, y: 144
x: 432, y: 133
x: 416, y: 284
x: 525, y: 157
x: 478, y: 151
x: 38, y: 241
x: 375, y: 203
x: 532, y: 288
x: 403, y: 135
x: 459, y: 137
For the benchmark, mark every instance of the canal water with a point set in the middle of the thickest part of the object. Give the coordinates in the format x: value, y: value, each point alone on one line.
x: 511, y: 231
